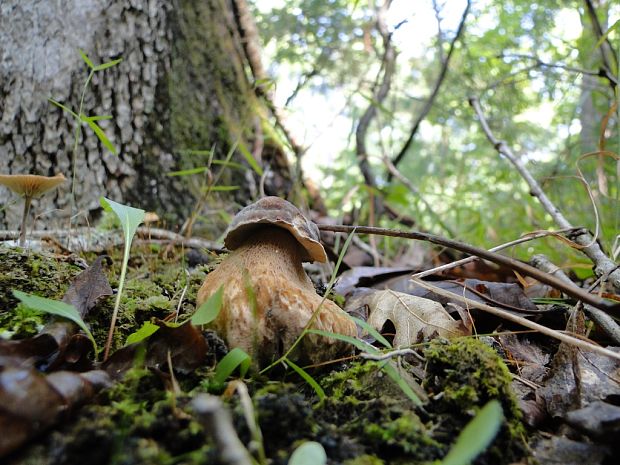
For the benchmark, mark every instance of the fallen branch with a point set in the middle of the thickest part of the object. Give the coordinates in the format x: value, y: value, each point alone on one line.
x: 561, y: 336
x: 603, y: 265
x: 523, y: 268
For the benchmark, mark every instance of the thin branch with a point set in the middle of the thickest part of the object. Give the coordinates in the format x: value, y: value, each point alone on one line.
x: 603, y: 265
x: 604, y: 73
x: 602, y: 319
x: 431, y: 99
x: 516, y: 265
x: 382, y: 87
x: 561, y: 336
x: 464, y: 261
x: 606, y: 46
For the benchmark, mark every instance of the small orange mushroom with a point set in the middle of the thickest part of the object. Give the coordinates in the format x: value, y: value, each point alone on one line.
x: 29, y: 186
x: 269, y: 241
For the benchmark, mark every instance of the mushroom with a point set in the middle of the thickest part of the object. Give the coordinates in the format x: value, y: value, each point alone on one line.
x: 29, y: 186
x: 269, y: 240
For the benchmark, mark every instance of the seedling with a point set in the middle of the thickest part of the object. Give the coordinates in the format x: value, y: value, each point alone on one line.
x: 130, y: 219
x: 81, y: 118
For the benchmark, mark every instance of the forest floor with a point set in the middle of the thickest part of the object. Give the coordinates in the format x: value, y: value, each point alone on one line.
x: 145, y: 412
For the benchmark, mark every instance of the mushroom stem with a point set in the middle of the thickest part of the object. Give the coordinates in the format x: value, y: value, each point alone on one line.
x: 22, y: 232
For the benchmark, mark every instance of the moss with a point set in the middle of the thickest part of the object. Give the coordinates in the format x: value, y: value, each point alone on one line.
x: 367, y: 405
x: 364, y: 460
x: 37, y: 273
x: 21, y: 323
x: 463, y: 375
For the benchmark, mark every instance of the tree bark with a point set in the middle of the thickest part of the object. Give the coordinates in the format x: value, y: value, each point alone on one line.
x: 183, y: 84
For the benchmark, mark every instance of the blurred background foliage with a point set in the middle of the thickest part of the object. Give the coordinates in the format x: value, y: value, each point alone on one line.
x: 534, y: 67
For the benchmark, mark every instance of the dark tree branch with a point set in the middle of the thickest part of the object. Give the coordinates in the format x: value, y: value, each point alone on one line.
x: 431, y: 99
x: 381, y: 89
x: 603, y: 265
x: 606, y: 48
x: 523, y: 268
x: 604, y: 73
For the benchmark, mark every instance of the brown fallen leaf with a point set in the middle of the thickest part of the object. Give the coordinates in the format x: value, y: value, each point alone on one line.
x: 31, y: 402
x: 186, y: 344
x: 416, y: 319
x: 88, y: 287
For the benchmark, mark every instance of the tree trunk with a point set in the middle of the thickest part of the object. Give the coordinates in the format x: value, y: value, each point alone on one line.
x: 183, y: 84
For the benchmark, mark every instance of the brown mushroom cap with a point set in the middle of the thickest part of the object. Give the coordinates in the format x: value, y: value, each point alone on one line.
x: 275, y: 211
x: 31, y: 185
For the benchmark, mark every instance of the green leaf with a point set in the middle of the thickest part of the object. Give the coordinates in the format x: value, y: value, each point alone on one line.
x: 209, y: 310
x: 373, y: 332
x: 307, y: 378
x: 55, y: 307
x: 250, y: 158
x: 476, y: 436
x: 86, y: 59
x: 64, y: 108
x: 233, y: 359
x: 100, y: 134
x: 309, y: 453
x: 129, y: 217
x: 107, y: 65
x: 145, y: 331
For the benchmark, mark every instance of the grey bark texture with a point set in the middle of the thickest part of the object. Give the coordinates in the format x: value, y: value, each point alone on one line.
x: 182, y: 84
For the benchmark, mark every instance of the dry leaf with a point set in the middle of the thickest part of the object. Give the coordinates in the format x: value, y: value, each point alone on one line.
x: 416, y: 319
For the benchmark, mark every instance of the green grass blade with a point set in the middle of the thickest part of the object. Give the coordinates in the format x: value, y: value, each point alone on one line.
x: 62, y: 107
x: 250, y: 158
x: 373, y: 332
x: 89, y: 63
x: 221, y: 188
x: 401, y: 383
x: 209, y: 310
x: 233, y: 359
x: 107, y: 65
x: 476, y: 436
x: 189, y: 172
x: 55, y: 307
x: 357, y: 343
x: 100, y: 134
x: 307, y: 378
x: 309, y: 453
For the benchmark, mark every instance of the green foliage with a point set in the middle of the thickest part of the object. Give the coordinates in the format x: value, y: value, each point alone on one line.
x: 209, y: 310
x: 476, y: 436
x: 309, y: 453
x: 130, y: 219
x: 145, y: 331
x: 520, y: 58
x: 234, y: 359
x: 55, y: 307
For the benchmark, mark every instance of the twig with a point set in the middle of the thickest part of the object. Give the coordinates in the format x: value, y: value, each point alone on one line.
x: 93, y: 240
x: 603, y: 265
x: 431, y: 99
x: 380, y: 91
x: 605, y: 322
x: 584, y: 345
x: 218, y: 423
x: 526, y: 238
x: 387, y: 355
x: 521, y: 267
